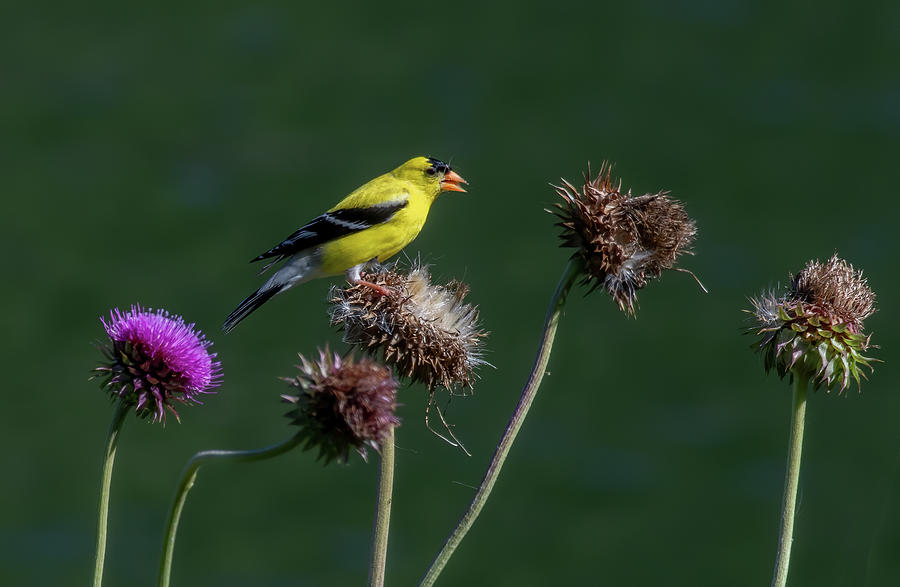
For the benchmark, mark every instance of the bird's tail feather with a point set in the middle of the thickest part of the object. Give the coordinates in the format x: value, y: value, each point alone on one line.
x: 250, y: 303
x: 299, y: 268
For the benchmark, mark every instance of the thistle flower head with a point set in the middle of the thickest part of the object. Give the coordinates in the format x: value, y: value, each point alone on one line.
x: 156, y: 360
x: 622, y: 241
x: 426, y: 330
x: 342, y: 404
x: 815, y: 330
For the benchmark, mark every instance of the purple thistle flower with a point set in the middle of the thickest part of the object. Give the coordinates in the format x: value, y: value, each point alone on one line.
x: 155, y: 359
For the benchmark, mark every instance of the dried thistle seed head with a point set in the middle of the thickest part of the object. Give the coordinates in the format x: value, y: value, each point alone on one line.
x: 836, y: 289
x: 815, y: 330
x: 622, y: 241
x: 155, y: 360
x: 425, y: 330
x: 342, y: 404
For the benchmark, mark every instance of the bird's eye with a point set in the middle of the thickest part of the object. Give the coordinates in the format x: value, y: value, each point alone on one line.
x: 431, y: 171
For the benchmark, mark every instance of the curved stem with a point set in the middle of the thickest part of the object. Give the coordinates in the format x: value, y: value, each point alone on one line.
x: 382, y: 513
x: 512, y: 429
x: 187, y: 481
x: 112, y: 442
x: 791, y: 480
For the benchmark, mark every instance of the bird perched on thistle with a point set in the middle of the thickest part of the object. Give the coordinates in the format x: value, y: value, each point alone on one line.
x: 371, y: 224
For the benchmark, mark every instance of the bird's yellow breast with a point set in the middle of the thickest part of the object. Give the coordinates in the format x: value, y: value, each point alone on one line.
x: 382, y: 241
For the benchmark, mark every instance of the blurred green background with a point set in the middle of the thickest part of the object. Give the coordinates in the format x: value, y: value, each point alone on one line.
x: 149, y: 151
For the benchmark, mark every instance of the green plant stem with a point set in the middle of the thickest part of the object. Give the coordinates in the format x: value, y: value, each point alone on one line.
x: 791, y: 480
x: 112, y: 442
x: 382, y: 513
x: 573, y: 269
x: 187, y: 481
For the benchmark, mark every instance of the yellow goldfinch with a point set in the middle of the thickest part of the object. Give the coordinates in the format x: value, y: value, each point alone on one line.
x: 371, y: 224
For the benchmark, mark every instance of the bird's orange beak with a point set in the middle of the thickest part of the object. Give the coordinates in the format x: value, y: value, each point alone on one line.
x: 451, y: 182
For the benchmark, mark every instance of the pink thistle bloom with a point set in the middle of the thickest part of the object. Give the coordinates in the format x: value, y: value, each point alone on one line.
x: 155, y: 360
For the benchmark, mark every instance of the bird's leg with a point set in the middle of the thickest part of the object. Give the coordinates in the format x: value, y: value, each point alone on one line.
x: 382, y: 290
x: 353, y: 276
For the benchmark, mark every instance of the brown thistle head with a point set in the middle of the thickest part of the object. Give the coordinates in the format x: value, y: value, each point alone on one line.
x: 623, y: 242
x: 425, y: 330
x: 342, y: 404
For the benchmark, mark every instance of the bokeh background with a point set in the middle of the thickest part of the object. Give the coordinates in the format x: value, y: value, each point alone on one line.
x: 149, y: 151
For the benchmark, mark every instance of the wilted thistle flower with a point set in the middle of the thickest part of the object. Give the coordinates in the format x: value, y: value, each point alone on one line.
x: 424, y: 329
x: 155, y: 360
x: 343, y: 404
x: 816, y: 329
x: 622, y: 241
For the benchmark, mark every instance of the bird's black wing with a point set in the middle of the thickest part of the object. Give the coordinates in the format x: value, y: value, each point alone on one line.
x: 332, y: 225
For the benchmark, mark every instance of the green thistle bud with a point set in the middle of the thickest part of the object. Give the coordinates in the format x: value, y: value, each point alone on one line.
x: 815, y: 330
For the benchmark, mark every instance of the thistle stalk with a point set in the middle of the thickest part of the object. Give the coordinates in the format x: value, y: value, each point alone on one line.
x: 791, y: 482
x: 112, y: 442
x: 572, y: 271
x: 382, y: 522
x: 187, y: 482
